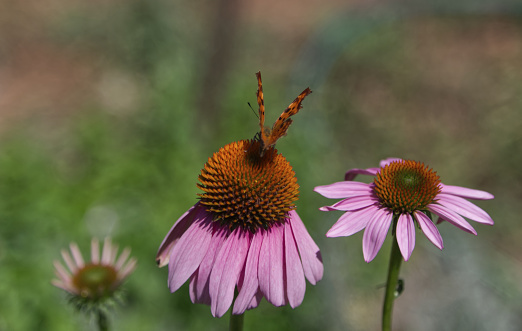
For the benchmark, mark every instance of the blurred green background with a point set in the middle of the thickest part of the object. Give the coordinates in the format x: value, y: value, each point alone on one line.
x: 109, y: 109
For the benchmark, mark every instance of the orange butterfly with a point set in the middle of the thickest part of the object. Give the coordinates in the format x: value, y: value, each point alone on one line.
x: 269, y: 136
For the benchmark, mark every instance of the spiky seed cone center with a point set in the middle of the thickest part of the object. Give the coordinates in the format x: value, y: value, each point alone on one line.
x: 405, y: 186
x: 95, y: 280
x: 242, y: 188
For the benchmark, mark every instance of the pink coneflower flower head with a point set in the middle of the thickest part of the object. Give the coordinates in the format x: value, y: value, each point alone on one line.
x: 244, y: 234
x: 95, y: 281
x: 405, y: 193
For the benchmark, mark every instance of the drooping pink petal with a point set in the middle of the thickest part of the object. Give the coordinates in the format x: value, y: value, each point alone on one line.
x: 250, y: 284
x: 351, y: 204
x: 199, y: 286
x: 464, y: 208
x: 465, y: 192
x: 452, y: 217
x: 270, y: 270
x: 406, y: 235
x: 352, y: 173
x: 351, y: 222
x: 190, y: 249
x: 295, y: 281
x: 225, y: 273
x: 177, y: 230
x: 344, y: 189
x: 255, y: 300
x: 308, y: 250
x: 429, y: 229
x: 375, y: 233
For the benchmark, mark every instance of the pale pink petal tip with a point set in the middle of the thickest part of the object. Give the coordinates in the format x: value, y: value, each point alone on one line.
x: 375, y: 233
x: 429, y: 229
x: 405, y: 233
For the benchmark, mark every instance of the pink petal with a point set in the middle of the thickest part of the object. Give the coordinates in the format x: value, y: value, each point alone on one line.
x: 107, y: 251
x: 190, y: 249
x: 256, y: 300
x: 123, y: 257
x: 452, y: 217
x: 464, y: 208
x: 351, y: 204
x: 61, y: 272
x: 270, y: 271
x: 64, y: 286
x: 429, y: 229
x: 95, y: 251
x: 250, y: 284
x: 194, y: 297
x: 295, y: 280
x: 310, y: 254
x: 467, y: 193
x: 387, y: 161
x: 77, y: 255
x: 351, y: 222
x: 343, y: 190
x: 177, y: 230
x: 225, y: 273
x: 199, y: 285
x: 128, y: 269
x: 352, y: 173
x: 406, y: 235
x: 375, y: 233
x: 69, y: 261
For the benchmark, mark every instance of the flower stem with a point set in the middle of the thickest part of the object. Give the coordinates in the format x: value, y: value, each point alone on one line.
x: 103, y: 322
x: 236, y: 322
x: 391, y: 285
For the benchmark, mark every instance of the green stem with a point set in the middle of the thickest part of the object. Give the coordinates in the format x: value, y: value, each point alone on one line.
x: 236, y: 322
x: 103, y: 322
x: 391, y: 285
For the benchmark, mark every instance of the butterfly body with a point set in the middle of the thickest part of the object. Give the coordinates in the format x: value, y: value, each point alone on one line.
x: 269, y: 136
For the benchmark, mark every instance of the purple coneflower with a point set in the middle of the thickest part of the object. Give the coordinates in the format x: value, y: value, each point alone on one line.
x: 244, y: 234
x: 405, y: 191
x: 97, y: 280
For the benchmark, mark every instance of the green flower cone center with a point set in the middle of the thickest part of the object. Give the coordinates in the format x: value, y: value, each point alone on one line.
x: 405, y: 186
x: 95, y: 280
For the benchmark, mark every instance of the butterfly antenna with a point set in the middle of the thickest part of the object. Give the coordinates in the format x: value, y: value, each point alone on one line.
x: 249, y: 105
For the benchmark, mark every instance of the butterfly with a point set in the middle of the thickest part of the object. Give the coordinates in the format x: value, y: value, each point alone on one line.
x: 267, y: 136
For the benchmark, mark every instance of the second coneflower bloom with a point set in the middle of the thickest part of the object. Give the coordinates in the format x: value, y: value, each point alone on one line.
x: 96, y: 281
x: 405, y: 191
x: 244, y: 234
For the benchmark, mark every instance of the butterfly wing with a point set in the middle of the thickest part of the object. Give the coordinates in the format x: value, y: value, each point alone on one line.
x: 261, y: 103
x: 283, y: 122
